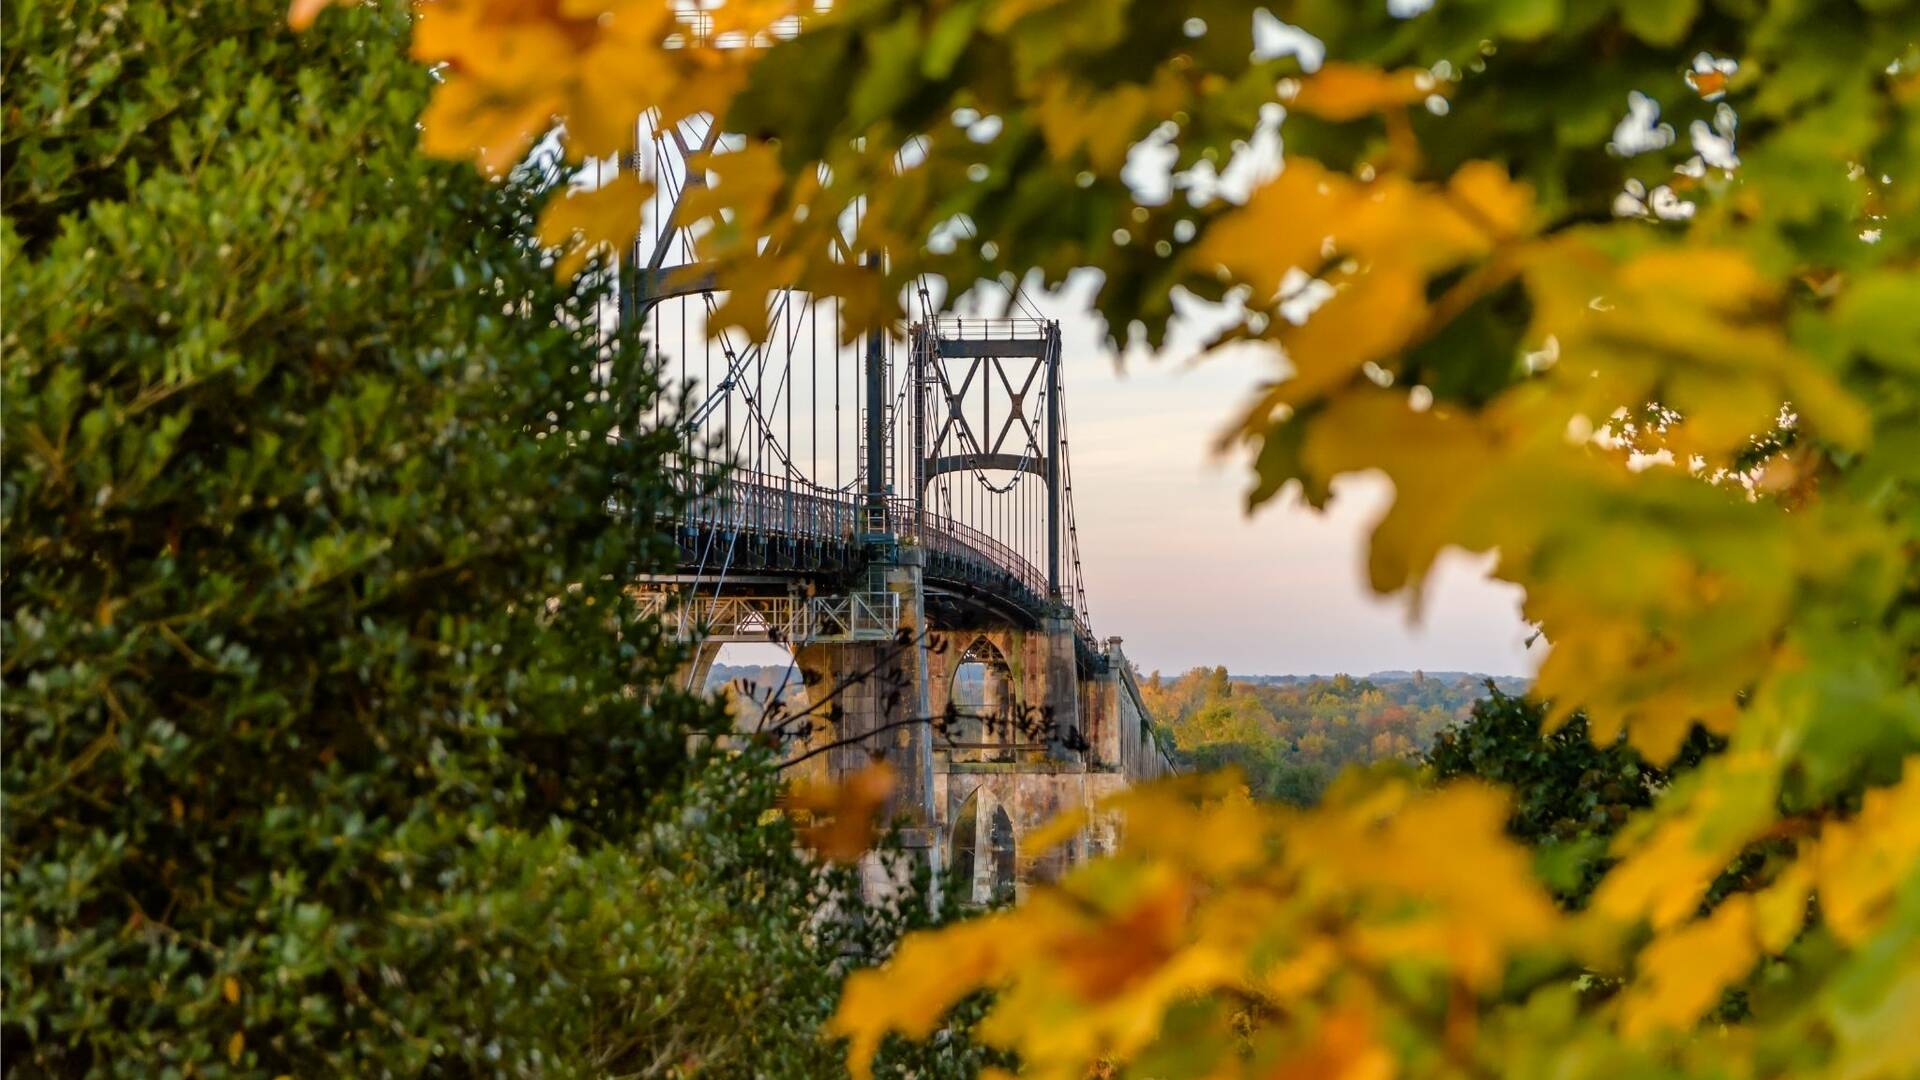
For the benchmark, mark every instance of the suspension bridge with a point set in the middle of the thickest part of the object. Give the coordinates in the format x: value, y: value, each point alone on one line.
x: 897, y: 511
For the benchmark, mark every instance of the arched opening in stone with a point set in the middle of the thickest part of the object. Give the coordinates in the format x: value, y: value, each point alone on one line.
x: 1000, y: 842
x: 982, y: 853
x: 960, y: 846
x: 981, y: 721
x: 762, y: 687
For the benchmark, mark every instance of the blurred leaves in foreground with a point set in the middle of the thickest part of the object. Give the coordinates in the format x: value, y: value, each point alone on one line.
x: 330, y: 745
x: 1625, y: 299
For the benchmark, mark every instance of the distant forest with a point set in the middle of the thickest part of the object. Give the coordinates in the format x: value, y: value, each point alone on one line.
x: 747, y: 688
x: 1288, y: 733
x: 1291, y: 733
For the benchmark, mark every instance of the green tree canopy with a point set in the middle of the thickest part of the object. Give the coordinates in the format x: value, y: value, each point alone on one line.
x: 329, y: 746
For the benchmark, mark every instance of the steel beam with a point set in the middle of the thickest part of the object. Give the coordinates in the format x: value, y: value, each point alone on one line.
x: 1054, y: 450
x: 779, y: 618
x: 651, y: 286
x: 975, y: 462
x: 876, y: 420
x: 966, y: 348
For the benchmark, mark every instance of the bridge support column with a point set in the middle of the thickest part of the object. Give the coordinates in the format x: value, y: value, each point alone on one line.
x: 692, y: 671
x: 1066, y: 739
x: 881, y: 690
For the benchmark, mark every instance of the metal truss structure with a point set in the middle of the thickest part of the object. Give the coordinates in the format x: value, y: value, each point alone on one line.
x: 809, y: 458
x: 783, y: 618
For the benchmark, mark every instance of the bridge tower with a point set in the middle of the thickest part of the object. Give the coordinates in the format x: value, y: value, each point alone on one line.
x: 897, y: 513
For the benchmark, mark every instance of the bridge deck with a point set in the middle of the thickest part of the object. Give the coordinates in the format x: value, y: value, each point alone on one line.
x: 753, y: 522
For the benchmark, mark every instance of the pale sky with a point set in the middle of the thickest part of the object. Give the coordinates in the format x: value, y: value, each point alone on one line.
x: 1175, y: 566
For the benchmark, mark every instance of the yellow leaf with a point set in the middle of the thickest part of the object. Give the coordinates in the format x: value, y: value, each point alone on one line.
x: 1862, y: 862
x: 1088, y: 970
x: 1689, y: 327
x: 1107, y: 124
x: 1376, y: 244
x: 1667, y: 863
x: 1340, y: 91
x: 1369, y: 318
x: 584, y: 221
x: 1307, y: 216
x: 745, y: 183
x: 465, y: 121
x: 1780, y: 909
x: 236, y: 1046
x: 843, y: 814
x: 1055, y: 831
x: 1474, y: 905
x: 750, y: 16
x: 927, y: 974
x: 1117, y: 968
x: 1304, y: 971
x: 1394, y: 224
x: 230, y: 989
x: 512, y: 70
x: 1491, y: 199
x: 1282, y: 226
x: 1682, y: 973
x: 1205, y: 821
x: 506, y: 48
x: 1436, y: 460
x: 1105, y: 960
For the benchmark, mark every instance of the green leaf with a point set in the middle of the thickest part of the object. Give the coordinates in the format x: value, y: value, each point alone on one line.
x: 1659, y: 22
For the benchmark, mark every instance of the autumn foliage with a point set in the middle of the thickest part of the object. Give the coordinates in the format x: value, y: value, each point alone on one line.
x: 1623, y: 292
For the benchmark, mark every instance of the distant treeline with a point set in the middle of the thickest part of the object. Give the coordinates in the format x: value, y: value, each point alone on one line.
x: 748, y: 687
x: 1291, y: 733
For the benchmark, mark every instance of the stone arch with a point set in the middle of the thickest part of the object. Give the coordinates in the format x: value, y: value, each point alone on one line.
x: 962, y: 845
x: 983, y: 849
x: 981, y: 707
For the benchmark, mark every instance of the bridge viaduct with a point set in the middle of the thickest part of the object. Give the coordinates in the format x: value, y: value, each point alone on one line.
x: 897, y: 513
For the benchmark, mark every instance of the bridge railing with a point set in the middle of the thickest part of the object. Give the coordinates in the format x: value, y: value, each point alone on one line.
x: 782, y: 506
x: 774, y: 505
x: 946, y: 536
x: 954, y: 327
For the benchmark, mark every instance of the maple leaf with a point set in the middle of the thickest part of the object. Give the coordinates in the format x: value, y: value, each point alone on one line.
x: 464, y: 120
x: 1682, y: 973
x: 1861, y: 863
x: 924, y: 978
x: 843, y: 815
x: 584, y: 221
x: 1106, y: 124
